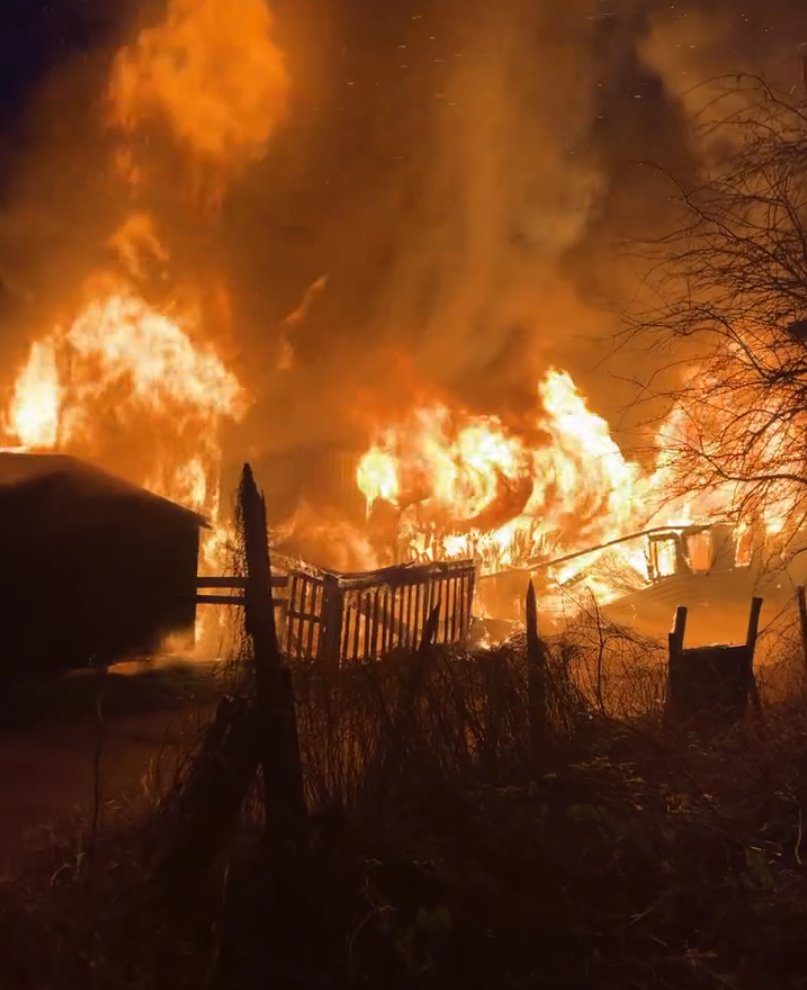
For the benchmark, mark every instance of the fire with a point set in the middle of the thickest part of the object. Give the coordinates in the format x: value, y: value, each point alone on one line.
x: 125, y: 379
x: 150, y: 356
x: 34, y: 413
x: 468, y: 485
x: 212, y: 73
x: 132, y: 378
x: 458, y: 463
x: 377, y: 477
x: 592, y: 484
x: 132, y: 388
x: 136, y: 243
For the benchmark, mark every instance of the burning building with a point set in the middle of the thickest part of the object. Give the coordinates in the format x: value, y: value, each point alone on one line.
x: 94, y: 568
x: 359, y: 252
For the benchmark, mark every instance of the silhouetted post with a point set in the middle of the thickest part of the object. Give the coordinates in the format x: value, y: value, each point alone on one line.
x: 330, y: 639
x: 430, y: 631
x: 676, y: 636
x: 275, y: 717
x: 676, y: 686
x: 536, y: 682
x: 802, y: 600
x: 750, y: 646
x: 712, y: 683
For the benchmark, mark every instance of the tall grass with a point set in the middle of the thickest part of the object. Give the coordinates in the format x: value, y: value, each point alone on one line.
x: 638, y: 853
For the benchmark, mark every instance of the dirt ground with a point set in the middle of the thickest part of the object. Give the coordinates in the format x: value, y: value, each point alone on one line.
x: 47, y: 763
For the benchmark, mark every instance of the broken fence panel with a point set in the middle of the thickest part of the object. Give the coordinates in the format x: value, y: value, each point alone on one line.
x: 354, y: 617
x: 350, y: 617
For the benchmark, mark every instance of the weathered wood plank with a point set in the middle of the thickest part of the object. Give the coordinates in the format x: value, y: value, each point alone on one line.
x: 278, y: 744
x: 209, y: 581
x: 230, y: 600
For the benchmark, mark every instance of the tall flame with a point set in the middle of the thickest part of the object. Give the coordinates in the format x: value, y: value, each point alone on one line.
x: 212, y: 72
x: 127, y: 383
x: 134, y: 385
x: 586, y: 477
x: 377, y: 477
x: 468, y: 485
x: 34, y: 413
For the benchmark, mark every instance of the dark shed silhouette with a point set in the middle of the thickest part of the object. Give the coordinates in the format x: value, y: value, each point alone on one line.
x: 92, y: 568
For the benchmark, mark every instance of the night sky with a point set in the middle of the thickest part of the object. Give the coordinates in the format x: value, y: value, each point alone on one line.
x: 35, y: 37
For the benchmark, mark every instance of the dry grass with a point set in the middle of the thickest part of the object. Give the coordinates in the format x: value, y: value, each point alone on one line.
x: 469, y: 726
x: 640, y: 855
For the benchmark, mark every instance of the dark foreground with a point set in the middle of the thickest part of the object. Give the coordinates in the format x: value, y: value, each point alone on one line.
x: 122, y: 733
x: 639, y: 855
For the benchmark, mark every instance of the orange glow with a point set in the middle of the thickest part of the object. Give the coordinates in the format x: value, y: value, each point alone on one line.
x: 131, y: 379
x: 470, y: 486
x: 136, y: 243
x: 34, y: 413
x: 151, y: 356
x: 212, y: 73
x: 132, y: 388
x: 377, y: 477
x: 125, y: 376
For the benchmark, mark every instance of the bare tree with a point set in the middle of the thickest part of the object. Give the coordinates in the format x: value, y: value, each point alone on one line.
x: 731, y: 279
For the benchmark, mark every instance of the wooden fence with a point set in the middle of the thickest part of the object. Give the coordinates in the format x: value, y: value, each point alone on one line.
x: 349, y: 617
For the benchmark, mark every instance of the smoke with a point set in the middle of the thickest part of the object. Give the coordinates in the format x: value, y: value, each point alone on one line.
x: 451, y: 177
x: 212, y: 75
x: 692, y: 43
x: 478, y: 168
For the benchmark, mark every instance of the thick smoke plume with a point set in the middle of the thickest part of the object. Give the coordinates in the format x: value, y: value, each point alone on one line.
x: 212, y: 75
x: 450, y: 179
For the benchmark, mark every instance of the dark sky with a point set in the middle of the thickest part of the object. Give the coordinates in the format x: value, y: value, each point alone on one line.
x: 36, y: 36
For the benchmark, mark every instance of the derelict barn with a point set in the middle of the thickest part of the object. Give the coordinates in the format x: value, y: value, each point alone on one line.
x: 94, y: 569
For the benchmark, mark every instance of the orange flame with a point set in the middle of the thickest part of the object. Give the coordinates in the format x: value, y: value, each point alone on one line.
x: 136, y: 386
x: 467, y: 485
x: 34, y: 413
x: 124, y: 375
x: 377, y: 477
x: 212, y: 72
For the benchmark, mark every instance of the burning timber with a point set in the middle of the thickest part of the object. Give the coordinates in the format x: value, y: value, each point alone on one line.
x: 323, y: 615
x: 95, y: 569
x: 712, y: 569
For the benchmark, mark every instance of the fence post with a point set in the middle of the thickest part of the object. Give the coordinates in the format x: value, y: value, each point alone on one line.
x: 675, y: 637
x: 750, y: 646
x: 675, y: 643
x: 802, y: 600
x: 276, y: 720
x: 330, y: 639
x: 536, y: 682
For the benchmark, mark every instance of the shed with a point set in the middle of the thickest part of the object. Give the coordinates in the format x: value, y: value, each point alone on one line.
x: 92, y: 568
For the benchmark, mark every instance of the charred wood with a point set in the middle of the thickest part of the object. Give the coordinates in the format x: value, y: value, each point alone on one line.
x: 536, y: 683
x: 712, y: 682
x: 276, y: 723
